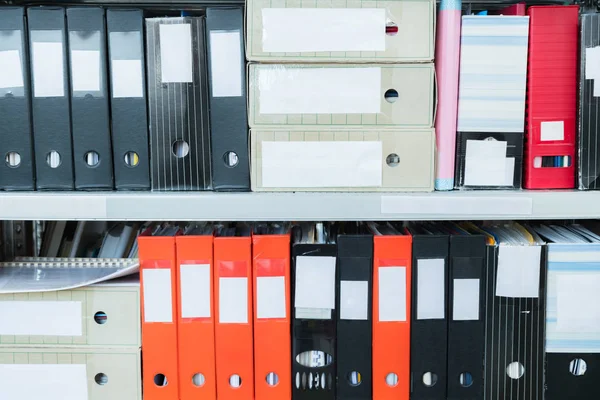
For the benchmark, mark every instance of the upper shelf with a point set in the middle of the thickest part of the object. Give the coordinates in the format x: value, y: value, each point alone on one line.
x: 208, y: 206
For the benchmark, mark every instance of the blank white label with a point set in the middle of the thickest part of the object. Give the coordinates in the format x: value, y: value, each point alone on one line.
x: 485, y: 163
x: 176, y: 53
x: 270, y: 297
x: 225, y: 64
x: 315, y: 282
x: 47, y: 318
x: 322, y: 164
x: 592, y: 63
x: 554, y: 130
x: 127, y: 78
x: 392, y: 294
x: 509, y: 172
x: 12, y: 73
x: 465, y: 302
x: 578, y: 303
x: 44, y: 381
x: 354, y: 300
x: 233, y: 300
x: 458, y: 204
x: 194, y: 283
x: 48, y: 69
x: 518, y: 271
x: 318, y: 90
x: 85, y: 70
x: 158, y: 303
x: 431, y: 289
x: 296, y: 30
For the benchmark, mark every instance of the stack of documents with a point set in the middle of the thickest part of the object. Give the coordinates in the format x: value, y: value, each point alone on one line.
x: 337, y: 109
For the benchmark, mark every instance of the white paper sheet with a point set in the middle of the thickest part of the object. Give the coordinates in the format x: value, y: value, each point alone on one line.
x: 465, y: 302
x: 44, y: 381
x: 270, y: 297
x: 12, y: 71
x: 431, y: 290
x: 296, y: 30
x: 226, y: 64
x: 315, y: 282
x: 319, y: 90
x: 85, y: 70
x: 392, y: 294
x: 518, y: 273
x: 485, y: 163
x: 127, y: 79
x: 552, y: 130
x: 354, y: 300
x: 158, y: 300
x: 176, y: 53
x: 194, y: 283
x: 578, y: 303
x: 322, y: 164
x: 233, y: 300
x: 44, y: 318
x: 509, y: 172
x: 48, y: 69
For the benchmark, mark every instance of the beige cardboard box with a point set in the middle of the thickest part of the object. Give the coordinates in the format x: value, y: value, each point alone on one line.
x: 341, y: 96
x: 70, y: 374
x: 321, y: 160
x: 105, y: 314
x: 340, y: 30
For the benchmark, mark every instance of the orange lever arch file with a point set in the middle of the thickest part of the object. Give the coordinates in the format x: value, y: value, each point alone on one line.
x: 272, y: 339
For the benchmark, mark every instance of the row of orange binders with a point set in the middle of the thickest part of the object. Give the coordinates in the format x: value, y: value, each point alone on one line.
x: 216, y: 318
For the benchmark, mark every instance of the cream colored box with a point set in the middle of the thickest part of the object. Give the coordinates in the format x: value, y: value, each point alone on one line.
x: 341, y: 96
x: 70, y: 374
x: 365, y: 160
x: 340, y: 30
x: 105, y: 314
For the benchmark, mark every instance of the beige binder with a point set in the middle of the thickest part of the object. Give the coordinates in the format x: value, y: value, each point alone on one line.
x: 381, y: 161
x: 70, y: 374
x: 341, y: 96
x: 340, y: 30
x: 105, y: 314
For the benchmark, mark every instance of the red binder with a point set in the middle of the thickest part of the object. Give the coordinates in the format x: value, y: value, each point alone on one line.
x: 550, y: 128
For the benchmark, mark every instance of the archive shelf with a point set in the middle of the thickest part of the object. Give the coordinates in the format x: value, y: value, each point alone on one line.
x: 200, y: 206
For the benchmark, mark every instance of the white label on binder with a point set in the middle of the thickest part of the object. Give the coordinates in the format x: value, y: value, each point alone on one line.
x: 592, y: 63
x: 431, y: 289
x: 322, y: 164
x: 299, y: 90
x: 44, y: 381
x: 226, y: 67
x: 518, y: 271
x: 44, y: 318
x: 315, y: 282
x: 485, y: 163
x: 12, y: 72
x: 48, y: 69
x: 578, y: 303
x: 176, y: 53
x: 127, y: 79
x: 392, y: 294
x: 233, y: 300
x: 85, y: 70
x: 354, y: 300
x: 194, y: 282
x: 297, y: 30
x: 465, y: 302
x: 552, y: 130
x: 158, y: 303
x: 270, y: 297
x: 509, y: 172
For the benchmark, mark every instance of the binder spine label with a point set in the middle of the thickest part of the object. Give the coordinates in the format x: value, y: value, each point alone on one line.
x: 157, y: 294
x: 354, y: 300
x: 270, y: 297
x: 431, y: 289
x: 233, y: 300
x: 176, y: 53
x: 48, y: 65
x: 226, y: 64
x: 392, y: 294
x: 466, y: 300
x: 12, y: 68
x: 194, y: 285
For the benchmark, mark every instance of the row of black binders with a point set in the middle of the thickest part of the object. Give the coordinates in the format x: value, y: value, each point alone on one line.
x: 95, y: 99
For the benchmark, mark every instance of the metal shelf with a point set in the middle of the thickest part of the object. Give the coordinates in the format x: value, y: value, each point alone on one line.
x: 484, y: 205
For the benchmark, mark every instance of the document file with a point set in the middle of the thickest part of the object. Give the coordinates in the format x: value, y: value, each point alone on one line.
x: 331, y: 160
x: 92, y: 152
x: 341, y: 95
x: 302, y: 31
x: 50, y: 101
x: 16, y: 145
